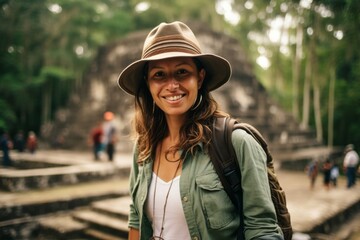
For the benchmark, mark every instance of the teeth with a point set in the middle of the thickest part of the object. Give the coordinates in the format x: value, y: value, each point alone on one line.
x: 174, y: 98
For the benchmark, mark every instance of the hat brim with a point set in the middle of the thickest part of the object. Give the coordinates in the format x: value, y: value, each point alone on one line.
x: 218, y: 71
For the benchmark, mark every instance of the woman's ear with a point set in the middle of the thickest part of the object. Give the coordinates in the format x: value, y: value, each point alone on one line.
x: 202, y: 74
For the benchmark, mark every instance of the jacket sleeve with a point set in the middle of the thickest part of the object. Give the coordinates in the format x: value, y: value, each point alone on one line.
x: 134, y: 220
x: 259, y: 213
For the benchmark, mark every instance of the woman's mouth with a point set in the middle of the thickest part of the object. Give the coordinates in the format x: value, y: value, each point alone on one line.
x: 174, y: 98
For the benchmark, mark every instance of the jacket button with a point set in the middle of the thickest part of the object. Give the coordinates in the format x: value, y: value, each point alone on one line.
x: 185, y: 199
x: 195, y: 238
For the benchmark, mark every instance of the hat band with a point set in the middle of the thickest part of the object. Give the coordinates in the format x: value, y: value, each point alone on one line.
x: 170, y: 46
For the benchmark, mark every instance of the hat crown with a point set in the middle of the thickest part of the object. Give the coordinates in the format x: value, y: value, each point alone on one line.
x: 170, y: 37
x: 169, y: 40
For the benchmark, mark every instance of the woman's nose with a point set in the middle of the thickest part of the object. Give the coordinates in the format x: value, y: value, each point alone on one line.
x: 173, y: 83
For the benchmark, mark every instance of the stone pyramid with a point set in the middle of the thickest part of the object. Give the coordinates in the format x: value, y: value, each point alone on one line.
x: 243, y: 96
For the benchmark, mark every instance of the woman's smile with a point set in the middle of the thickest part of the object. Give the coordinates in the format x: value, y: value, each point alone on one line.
x: 174, y: 98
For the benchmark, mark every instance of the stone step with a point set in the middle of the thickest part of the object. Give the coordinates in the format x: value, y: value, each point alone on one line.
x: 62, y: 226
x: 116, y: 207
x: 98, y: 235
x: 101, y: 222
x: 293, y: 146
x: 254, y: 117
x: 15, y: 180
x: 22, y: 213
x: 298, y: 159
x: 279, y: 129
x: 34, y: 164
x: 11, y: 212
x: 281, y: 132
x: 35, y: 203
x: 284, y: 135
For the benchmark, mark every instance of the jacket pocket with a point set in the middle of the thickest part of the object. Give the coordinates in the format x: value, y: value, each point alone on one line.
x: 217, y: 206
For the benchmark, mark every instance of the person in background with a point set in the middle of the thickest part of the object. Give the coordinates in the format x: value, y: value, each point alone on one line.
x: 326, y: 168
x: 96, y: 137
x: 109, y: 135
x: 312, y: 170
x: 334, y: 174
x: 351, y: 161
x: 175, y: 190
x: 19, y: 142
x: 31, y: 142
x: 5, y: 144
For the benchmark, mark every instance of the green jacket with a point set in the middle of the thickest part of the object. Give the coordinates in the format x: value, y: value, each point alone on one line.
x: 208, y: 210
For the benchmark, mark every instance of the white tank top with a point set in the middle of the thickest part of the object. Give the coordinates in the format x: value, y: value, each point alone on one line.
x: 175, y: 226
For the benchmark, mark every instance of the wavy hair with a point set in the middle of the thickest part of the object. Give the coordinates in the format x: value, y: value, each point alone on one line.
x: 151, y: 127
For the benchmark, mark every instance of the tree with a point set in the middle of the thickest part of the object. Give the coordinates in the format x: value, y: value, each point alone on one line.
x: 47, y: 45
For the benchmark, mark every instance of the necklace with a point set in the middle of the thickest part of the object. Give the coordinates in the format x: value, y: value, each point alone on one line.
x: 172, y: 161
x: 166, y: 198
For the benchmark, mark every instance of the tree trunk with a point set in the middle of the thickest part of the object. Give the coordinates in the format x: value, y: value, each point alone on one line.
x: 331, y: 107
x: 316, y: 82
x: 46, y: 109
x: 296, y: 72
x: 306, y: 93
x: 317, y: 109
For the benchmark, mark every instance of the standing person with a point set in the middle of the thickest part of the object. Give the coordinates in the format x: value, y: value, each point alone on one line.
x: 351, y: 162
x: 31, y: 142
x: 6, y: 145
x: 326, y: 168
x: 312, y: 170
x: 96, y: 139
x: 334, y: 174
x: 175, y: 190
x: 109, y: 137
x: 19, y: 142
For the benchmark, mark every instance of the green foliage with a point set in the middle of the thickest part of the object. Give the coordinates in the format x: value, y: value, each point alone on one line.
x: 45, y: 48
x: 347, y: 112
x: 149, y: 18
x: 55, y: 73
x: 7, y: 115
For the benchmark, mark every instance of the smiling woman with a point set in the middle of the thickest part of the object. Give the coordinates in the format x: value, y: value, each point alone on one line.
x: 175, y: 190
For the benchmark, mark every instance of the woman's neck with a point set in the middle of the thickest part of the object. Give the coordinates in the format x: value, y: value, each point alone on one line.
x: 174, y: 125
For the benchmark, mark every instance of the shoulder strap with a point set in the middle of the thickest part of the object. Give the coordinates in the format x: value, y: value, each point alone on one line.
x: 223, y: 157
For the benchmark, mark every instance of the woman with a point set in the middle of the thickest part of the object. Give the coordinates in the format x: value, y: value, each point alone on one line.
x: 176, y: 193
x: 31, y: 142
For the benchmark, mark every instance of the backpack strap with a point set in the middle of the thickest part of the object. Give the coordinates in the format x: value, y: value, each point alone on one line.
x: 223, y: 157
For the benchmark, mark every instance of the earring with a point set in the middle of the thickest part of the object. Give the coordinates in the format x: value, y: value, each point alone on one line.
x: 197, y: 104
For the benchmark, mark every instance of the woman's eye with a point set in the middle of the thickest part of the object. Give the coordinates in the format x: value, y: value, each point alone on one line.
x: 182, y: 72
x: 158, y: 75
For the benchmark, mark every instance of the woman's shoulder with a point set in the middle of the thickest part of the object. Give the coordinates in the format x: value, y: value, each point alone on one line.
x: 240, y: 136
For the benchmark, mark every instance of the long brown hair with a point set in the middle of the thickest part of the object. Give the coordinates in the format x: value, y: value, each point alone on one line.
x: 151, y: 126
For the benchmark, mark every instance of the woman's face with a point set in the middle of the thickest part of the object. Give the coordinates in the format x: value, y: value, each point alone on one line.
x: 174, y: 84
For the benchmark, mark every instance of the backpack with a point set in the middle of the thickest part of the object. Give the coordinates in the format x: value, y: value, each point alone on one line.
x: 223, y: 157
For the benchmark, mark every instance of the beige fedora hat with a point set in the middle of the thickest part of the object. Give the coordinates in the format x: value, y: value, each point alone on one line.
x: 169, y: 40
